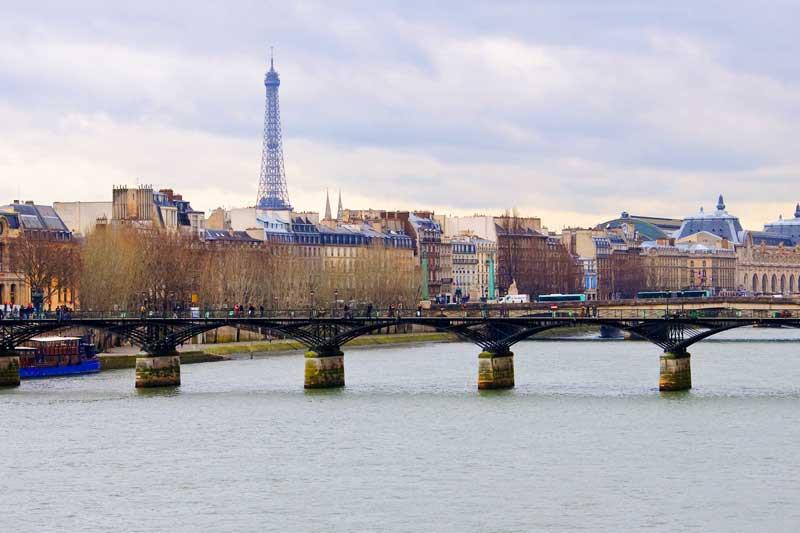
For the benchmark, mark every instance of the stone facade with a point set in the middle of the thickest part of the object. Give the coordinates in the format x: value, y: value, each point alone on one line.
x: 669, y: 268
x: 473, y: 260
x: 163, y: 209
x: 767, y: 269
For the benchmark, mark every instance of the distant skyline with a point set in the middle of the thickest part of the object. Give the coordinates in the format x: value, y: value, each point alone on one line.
x: 572, y: 111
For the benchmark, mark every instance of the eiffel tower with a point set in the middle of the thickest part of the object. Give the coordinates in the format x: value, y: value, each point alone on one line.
x: 272, y: 191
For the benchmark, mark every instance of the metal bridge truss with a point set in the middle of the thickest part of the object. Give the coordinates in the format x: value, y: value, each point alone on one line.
x: 161, y: 336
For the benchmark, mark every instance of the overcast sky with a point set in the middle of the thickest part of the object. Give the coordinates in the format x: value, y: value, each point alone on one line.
x: 569, y: 110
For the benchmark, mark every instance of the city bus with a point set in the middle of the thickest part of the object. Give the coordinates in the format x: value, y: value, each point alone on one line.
x: 687, y: 293
x: 653, y: 294
x: 693, y: 293
x: 561, y: 298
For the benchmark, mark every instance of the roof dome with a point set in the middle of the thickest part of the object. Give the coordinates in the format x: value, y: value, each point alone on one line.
x: 719, y: 223
x: 786, y: 227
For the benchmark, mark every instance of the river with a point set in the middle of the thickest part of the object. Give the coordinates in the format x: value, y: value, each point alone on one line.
x: 584, y: 442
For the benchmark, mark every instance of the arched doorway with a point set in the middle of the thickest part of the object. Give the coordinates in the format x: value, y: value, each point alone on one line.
x: 791, y: 283
x: 774, y: 284
x: 764, y: 287
x: 783, y: 283
x: 755, y: 282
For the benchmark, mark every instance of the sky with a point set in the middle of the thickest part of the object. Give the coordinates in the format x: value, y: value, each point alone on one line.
x: 569, y: 110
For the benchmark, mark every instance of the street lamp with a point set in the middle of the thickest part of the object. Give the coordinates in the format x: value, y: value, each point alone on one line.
x: 311, y: 311
x: 335, y: 301
x: 274, y: 306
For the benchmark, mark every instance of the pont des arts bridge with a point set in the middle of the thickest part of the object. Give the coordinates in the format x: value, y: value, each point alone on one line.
x: 495, y: 331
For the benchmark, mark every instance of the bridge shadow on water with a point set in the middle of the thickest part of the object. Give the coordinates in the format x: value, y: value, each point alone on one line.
x: 675, y: 396
x: 496, y: 393
x: 158, y: 392
x: 325, y: 393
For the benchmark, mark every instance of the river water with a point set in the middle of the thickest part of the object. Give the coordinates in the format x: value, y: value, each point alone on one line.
x: 584, y: 442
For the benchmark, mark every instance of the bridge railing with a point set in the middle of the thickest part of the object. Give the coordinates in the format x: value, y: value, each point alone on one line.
x: 398, y: 313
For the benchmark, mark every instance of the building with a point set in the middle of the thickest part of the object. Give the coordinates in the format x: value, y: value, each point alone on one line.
x: 352, y: 260
x: 719, y: 223
x: 474, y: 261
x: 435, y: 256
x: 145, y: 208
x: 220, y: 237
x: 481, y: 225
x: 789, y: 227
x: 535, y: 263
x: 465, y: 269
x: 81, y: 217
x: 671, y: 266
x: 638, y: 228
x: 767, y: 263
x: 24, y: 225
x: 584, y: 244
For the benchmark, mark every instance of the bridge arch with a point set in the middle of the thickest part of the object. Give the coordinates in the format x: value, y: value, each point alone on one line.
x: 157, y: 336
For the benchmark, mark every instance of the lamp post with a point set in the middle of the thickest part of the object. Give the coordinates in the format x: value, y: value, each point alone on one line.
x: 335, y: 301
x: 274, y: 306
x: 311, y: 311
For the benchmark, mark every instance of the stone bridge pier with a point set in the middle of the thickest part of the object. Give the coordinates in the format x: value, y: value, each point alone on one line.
x: 675, y: 371
x: 324, y: 368
x: 158, y: 371
x: 496, y: 369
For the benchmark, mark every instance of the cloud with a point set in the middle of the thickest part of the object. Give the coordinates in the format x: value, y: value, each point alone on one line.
x: 569, y: 111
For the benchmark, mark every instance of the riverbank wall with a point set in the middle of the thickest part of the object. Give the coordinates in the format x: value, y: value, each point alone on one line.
x: 194, y: 353
x: 222, y: 352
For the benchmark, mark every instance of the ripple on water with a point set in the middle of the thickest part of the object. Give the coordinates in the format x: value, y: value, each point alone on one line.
x: 585, y: 441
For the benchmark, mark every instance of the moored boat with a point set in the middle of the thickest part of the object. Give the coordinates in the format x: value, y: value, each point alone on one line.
x: 44, y: 357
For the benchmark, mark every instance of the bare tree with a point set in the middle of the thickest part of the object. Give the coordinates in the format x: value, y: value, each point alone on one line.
x: 47, y: 265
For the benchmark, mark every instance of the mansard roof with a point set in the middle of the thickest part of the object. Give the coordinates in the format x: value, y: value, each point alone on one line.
x: 37, y: 217
x: 718, y: 222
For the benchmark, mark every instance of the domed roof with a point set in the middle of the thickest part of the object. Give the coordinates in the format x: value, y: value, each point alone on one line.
x: 787, y: 221
x: 787, y: 227
x: 719, y: 223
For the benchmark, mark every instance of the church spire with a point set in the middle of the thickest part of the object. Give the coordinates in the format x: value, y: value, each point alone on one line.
x: 340, y: 210
x: 327, y: 205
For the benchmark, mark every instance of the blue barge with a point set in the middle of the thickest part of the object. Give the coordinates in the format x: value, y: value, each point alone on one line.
x: 45, y: 357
